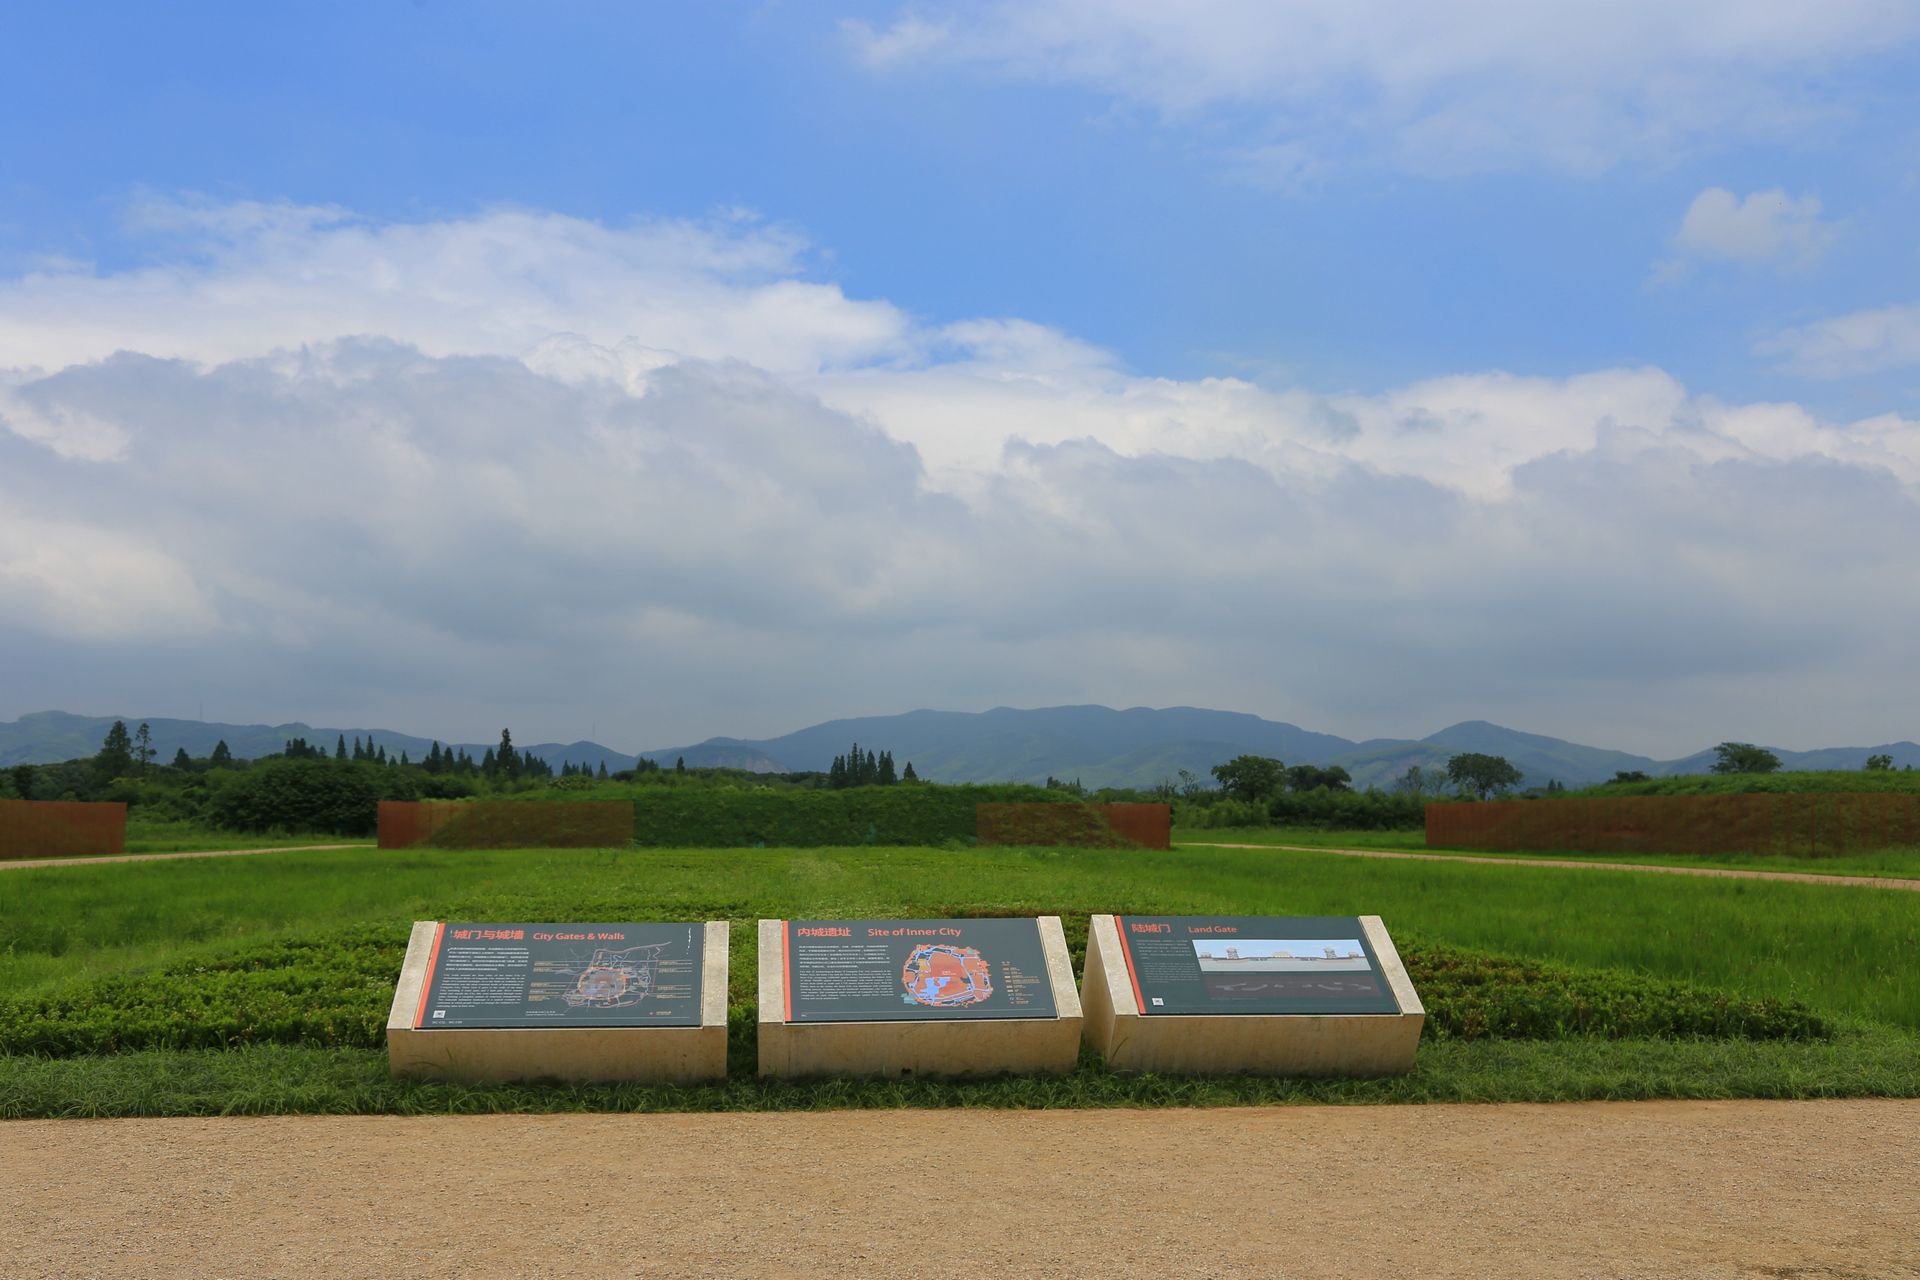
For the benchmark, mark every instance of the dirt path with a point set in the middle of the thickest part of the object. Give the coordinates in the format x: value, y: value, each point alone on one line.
x: 162, y: 857
x: 1811, y: 1190
x: 1797, y: 877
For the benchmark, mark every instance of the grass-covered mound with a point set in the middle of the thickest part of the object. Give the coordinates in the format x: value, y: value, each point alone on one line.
x: 1473, y: 996
x: 332, y: 990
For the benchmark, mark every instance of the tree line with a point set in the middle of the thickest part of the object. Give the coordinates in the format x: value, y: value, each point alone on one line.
x: 855, y: 769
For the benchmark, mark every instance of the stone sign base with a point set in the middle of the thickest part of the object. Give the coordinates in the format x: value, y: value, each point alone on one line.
x: 1361, y: 1044
x: 904, y: 1050
x: 486, y: 1055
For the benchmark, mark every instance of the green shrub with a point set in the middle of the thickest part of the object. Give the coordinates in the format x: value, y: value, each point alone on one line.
x: 338, y: 796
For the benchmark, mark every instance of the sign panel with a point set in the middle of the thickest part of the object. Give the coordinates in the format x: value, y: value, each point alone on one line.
x: 915, y: 970
x: 563, y: 975
x: 1252, y: 964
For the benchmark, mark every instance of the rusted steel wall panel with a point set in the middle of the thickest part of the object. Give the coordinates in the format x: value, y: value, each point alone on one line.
x: 61, y: 828
x: 1087, y: 826
x: 1816, y: 824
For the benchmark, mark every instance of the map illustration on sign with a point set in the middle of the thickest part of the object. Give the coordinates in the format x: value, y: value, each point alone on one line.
x: 915, y: 970
x: 563, y: 975
x: 616, y: 979
x: 946, y: 976
x: 1252, y: 964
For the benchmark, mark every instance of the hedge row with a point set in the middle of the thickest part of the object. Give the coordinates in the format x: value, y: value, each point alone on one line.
x: 334, y: 990
x: 1322, y: 808
x: 721, y: 818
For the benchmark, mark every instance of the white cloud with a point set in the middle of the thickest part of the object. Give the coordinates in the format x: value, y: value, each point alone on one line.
x: 909, y: 39
x: 1765, y: 227
x: 607, y: 481
x: 1856, y: 343
x: 1577, y: 85
x: 237, y: 280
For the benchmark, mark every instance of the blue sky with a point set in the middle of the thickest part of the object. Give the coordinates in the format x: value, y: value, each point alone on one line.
x: 956, y: 192
x: 1050, y: 250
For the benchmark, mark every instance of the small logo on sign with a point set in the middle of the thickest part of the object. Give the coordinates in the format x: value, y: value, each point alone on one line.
x: 1156, y: 1000
x: 441, y: 1013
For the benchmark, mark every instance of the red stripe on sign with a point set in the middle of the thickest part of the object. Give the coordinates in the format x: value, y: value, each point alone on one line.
x: 786, y: 958
x: 1126, y: 954
x: 426, y: 984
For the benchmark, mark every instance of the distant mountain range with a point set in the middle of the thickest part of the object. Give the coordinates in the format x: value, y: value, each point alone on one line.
x: 1099, y: 746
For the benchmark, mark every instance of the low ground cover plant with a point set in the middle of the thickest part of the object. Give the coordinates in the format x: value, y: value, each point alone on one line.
x: 1471, y: 995
x: 333, y: 990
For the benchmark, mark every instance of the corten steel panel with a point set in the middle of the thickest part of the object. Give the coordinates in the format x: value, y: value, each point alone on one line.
x: 1148, y: 825
x: 506, y: 824
x: 403, y: 823
x: 1800, y: 825
x: 1086, y: 826
x: 61, y: 828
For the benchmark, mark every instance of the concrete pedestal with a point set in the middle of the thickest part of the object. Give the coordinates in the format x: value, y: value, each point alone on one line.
x: 485, y: 1055
x: 1366, y: 1044
x: 955, y: 1047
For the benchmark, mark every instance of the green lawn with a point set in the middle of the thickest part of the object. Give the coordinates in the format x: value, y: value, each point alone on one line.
x: 1847, y: 953
x: 1898, y: 864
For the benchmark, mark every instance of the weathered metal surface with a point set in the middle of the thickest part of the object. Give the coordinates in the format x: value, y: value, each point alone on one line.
x: 1091, y: 826
x: 61, y: 828
x: 1799, y: 825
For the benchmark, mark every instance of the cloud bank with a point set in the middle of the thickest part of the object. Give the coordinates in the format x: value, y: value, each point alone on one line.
x: 1578, y: 86
x: 660, y: 481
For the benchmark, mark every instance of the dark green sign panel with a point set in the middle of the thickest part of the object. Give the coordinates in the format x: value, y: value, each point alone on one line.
x: 915, y: 970
x: 1252, y: 964
x: 563, y: 975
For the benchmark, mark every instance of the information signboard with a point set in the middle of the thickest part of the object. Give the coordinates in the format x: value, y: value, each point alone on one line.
x: 563, y: 975
x: 915, y: 970
x: 1252, y: 964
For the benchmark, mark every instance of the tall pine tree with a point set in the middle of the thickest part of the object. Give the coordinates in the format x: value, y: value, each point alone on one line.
x: 115, y: 758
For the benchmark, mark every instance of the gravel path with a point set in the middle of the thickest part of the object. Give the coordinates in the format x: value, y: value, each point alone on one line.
x: 162, y: 857
x: 1702, y: 1190
x: 1797, y: 877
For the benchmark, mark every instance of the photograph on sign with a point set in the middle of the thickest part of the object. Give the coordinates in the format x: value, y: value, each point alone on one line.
x: 1252, y: 964
x: 563, y: 975
x: 911, y: 970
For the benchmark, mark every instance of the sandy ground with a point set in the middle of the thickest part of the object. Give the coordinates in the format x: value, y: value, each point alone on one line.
x: 1798, y: 877
x: 1809, y: 1190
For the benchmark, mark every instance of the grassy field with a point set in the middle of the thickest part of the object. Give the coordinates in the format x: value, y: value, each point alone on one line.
x: 1898, y: 864
x: 145, y: 835
x: 74, y: 932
